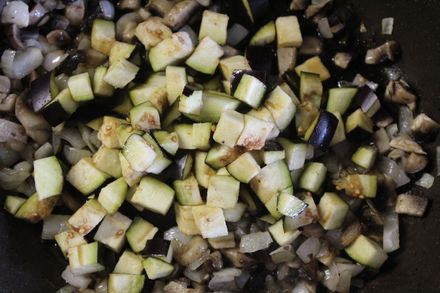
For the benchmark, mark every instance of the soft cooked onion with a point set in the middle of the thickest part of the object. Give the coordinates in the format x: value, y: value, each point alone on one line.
x: 391, y: 232
x: 107, y: 9
x: 7, y: 156
x: 392, y: 169
x: 255, y: 241
x: 18, y: 64
x: 308, y: 249
x: 44, y: 151
x: 53, y: 225
x: 74, y: 155
x: 53, y: 59
x: 72, y: 136
x: 16, y: 12
x: 387, y: 25
x: 426, y: 181
x: 224, y: 279
x: 331, y: 277
x: 79, y: 281
x: 12, y: 132
x: 324, y: 28
x: 197, y: 275
x: 175, y: 234
x: 236, y: 34
x: 10, y: 179
x: 405, y: 120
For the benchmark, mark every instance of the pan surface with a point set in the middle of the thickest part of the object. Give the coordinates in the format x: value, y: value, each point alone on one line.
x: 28, y: 265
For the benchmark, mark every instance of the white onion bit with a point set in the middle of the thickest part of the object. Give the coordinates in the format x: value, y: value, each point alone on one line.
x: 426, y: 181
x: 16, y: 12
x: 387, y: 26
x: 391, y: 233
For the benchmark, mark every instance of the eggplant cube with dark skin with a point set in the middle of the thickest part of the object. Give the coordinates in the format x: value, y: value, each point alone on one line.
x: 322, y: 130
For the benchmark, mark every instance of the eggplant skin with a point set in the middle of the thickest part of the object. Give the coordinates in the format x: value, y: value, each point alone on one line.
x: 54, y: 113
x: 39, y: 94
x: 324, y: 130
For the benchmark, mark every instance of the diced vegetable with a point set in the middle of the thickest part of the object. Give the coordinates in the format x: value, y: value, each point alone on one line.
x: 111, y: 232
x: 367, y: 252
x: 80, y: 87
x: 48, y: 177
x: 154, y: 195
x: 313, y: 176
x: 210, y: 221
x: 157, y: 268
x: 87, y: 217
x: 332, y: 211
x: 214, y: 25
x: 83, y: 259
x: 113, y: 195
x: 288, y: 32
x: 222, y: 191
x: 85, y: 177
x: 139, y: 233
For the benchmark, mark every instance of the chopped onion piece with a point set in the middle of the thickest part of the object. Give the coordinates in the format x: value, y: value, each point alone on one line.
x: 426, y: 181
x: 10, y: 179
x: 175, y: 234
x: 72, y: 136
x: 53, y: 225
x: 308, y: 249
x: 74, y: 155
x: 236, y: 34
x: 387, y: 25
x: 392, y: 169
x: 391, y: 232
x: 324, y: 28
x: 224, y: 279
x: 16, y: 12
x: 331, y: 277
x: 255, y: 241
x: 18, y: 64
x: 405, y: 120
x: 11, y: 132
x: 79, y: 281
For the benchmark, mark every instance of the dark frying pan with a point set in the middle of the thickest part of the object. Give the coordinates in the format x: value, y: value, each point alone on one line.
x: 28, y: 265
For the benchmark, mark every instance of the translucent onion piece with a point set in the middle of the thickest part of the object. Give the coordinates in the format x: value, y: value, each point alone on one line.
x: 387, y: 25
x: 308, y: 249
x: 331, y: 277
x: 72, y: 136
x: 392, y: 169
x: 10, y: 179
x: 16, y: 12
x: 53, y: 225
x: 175, y: 234
x: 391, y: 232
x: 74, y: 155
x: 11, y: 132
x: 18, y: 64
x: 79, y: 281
x: 426, y: 181
x: 405, y: 120
x: 324, y: 28
x: 255, y: 241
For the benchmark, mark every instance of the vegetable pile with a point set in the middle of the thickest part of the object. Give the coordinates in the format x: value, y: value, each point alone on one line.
x: 208, y: 145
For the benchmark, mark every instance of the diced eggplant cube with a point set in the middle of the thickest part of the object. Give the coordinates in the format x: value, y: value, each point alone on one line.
x: 205, y: 57
x: 244, y: 168
x: 85, y: 177
x: 87, y: 217
x: 222, y: 192
x: 83, y: 259
x: 121, y: 73
x: 154, y: 195
x: 288, y: 32
x: 170, y: 51
x: 214, y: 25
x: 250, y: 90
x: 139, y: 153
x: 332, y: 211
x: 80, y: 87
x: 229, y: 128
x: 152, y: 31
x: 210, y: 221
x: 255, y: 133
x: 111, y: 232
x: 145, y: 117
x: 139, y: 233
x: 48, y: 177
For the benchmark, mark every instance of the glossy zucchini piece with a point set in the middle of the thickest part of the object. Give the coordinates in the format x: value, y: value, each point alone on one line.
x: 332, y: 211
x: 129, y: 263
x: 366, y: 252
x: 83, y: 259
x: 358, y: 185
x: 185, y: 220
x: 265, y: 35
x: 221, y: 155
x: 121, y: 73
x: 87, y: 217
x: 250, y: 90
x: 340, y: 99
x: 281, y: 236
x: 139, y: 233
x: 80, y: 87
x: 103, y: 35
x: 313, y: 176
x: 107, y: 161
x: 365, y: 156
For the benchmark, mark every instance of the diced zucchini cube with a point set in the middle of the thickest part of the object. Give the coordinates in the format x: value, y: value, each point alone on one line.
x: 153, y: 91
x: 100, y: 86
x: 281, y: 236
x: 87, y: 217
x: 120, y: 51
x: 187, y: 191
x: 244, y: 168
x: 255, y: 133
x: 103, y: 35
x: 229, y: 128
x: 152, y: 31
x: 169, y: 141
x: 271, y: 206
x: 221, y: 155
x: 222, y: 191
x: 111, y: 232
x: 281, y: 106
x: 222, y: 242
x: 263, y: 114
x: 171, y: 51
x: 308, y: 216
x: 266, y: 185
x: 250, y: 90
x: 314, y: 65
x: 265, y: 35
x: 139, y: 153
x: 290, y: 205
x: 154, y: 195
x: 125, y: 283
x: 13, y: 203
x: 80, y: 87
x: 107, y: 160
x: 205, y: 57
x: 269, y: 157
x: 332, y: 211
x: 107, y: 132
x: 214, y: 25
x: 210, y: 221
x: 157, y: 268
x: 48, y: 177
x: 69, y: 239
x: 85, y: 177
x: 288, y: 31
x: 229, y: 64
x: 364, y: 156
x: 83, y: 259
x: 313, y: 176
x: 113, y: 195
x: 175, y: 82
x: 201, y: 135
x: 121, y: 73
x: 185, y: 220
x: 185, y: 136
x: 366, y: 252
x: 358, y: 120
x: 129, y: 263
x: 358, y: 185
x: 145, y: 117
x: 139, y: 233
